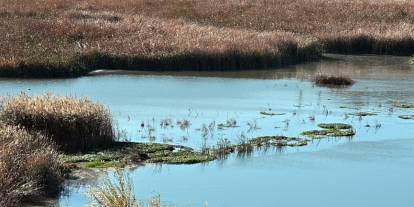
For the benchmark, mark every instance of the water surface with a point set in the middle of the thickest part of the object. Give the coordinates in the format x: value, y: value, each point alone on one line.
x: 373, y: 168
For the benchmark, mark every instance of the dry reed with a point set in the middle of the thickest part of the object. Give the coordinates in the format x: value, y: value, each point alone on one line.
x: 72, y: 38
x: 29, y: 166
x: 74, y: 124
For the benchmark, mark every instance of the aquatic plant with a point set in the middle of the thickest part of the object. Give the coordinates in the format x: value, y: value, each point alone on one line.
x: 121, y: 154
x: 362, y: 113
x: 330, y: 130
x: 118, y: 192
x: 223, y: 148
x: 325, y: 80
x: 73, y: 124
x: 243, y: 147
x: 269, y: 113
x: 406, y: 117
x: 404, y: 105
x: 164, y: 123
x: 335, y: 126
x: 317, y: 134
x: 230, y: 123
x: 114, y: 193
x: 411, y: 61
x: 29, y: 166
x: 252, y: 125
x: 184, y: 124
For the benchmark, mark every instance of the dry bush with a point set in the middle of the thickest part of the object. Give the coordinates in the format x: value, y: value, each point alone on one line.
x: 29, y: 166
x: 325, y: 80
x: 74, y: 124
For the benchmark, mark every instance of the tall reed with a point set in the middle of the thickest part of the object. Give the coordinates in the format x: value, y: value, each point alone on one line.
x: 74, y: 124
x: 29, y: 166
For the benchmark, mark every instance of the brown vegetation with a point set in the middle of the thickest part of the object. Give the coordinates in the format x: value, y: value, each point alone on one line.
x: 74, y: 124
x: 63, y: 38
x: 29, y: 166
x: 325, y: 80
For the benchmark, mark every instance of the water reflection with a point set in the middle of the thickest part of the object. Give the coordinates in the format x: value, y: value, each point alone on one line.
x: 200, y: 109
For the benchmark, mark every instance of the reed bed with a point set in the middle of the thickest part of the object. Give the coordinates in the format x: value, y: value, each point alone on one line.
x: 75, y: 125
x: 29, y: 166
x: 72, y: 38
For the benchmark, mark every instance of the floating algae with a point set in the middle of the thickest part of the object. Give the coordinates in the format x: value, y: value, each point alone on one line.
x: 404, y: 105
x: 270, y: 113
x: 330, y: 130
x: 406, y: 117
x: 363, y: 114
x: 127, y: 153
x: 335, y: 126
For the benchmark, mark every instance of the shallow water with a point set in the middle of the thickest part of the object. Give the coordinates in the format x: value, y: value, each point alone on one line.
x: 374, y: 168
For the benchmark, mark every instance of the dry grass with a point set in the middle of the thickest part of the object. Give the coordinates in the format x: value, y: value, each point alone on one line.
x: 73, y: 37
x: 28, y: 166
x: 325, y: 80
x: 118, y: 193
x: 74, y: 124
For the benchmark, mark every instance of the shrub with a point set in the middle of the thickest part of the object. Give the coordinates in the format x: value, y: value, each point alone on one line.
x: 28, y: 166
x: 74, y: 124
x: 325, y: 80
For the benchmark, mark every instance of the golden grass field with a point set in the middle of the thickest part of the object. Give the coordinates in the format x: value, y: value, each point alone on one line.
x: 62, y: 38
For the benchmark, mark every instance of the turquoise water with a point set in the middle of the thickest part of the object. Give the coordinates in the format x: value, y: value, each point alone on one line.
x: 374, y: 168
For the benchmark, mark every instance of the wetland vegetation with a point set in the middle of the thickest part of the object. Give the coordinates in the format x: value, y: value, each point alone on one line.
x: 239, y: 113
x: 76, y: 37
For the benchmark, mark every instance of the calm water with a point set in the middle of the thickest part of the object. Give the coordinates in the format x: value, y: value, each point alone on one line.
x: 374, y: 168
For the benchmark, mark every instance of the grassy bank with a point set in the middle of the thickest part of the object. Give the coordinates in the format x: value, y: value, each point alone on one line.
x: 73, y: 38
x: 67, y: 38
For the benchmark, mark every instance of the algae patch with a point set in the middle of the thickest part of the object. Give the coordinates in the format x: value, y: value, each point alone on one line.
x: 267, y: 113
x: 330, y: 130
x: 277, y: 141
x: 335, y: 126
x: 404, y: 105
x: 121, y: 154
x: 360, y: 114
x: 406, y: 117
